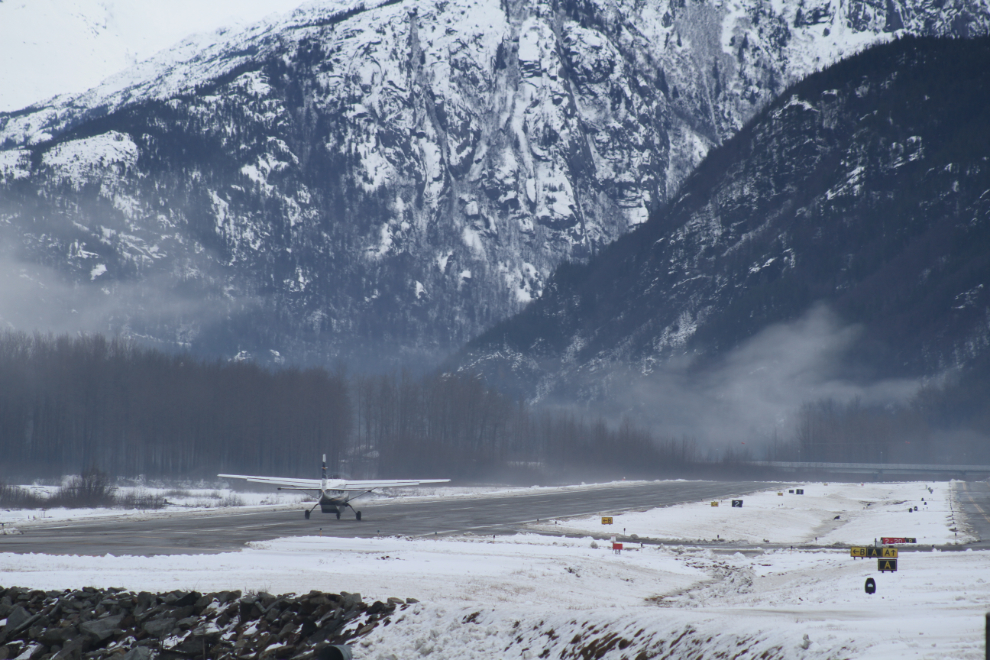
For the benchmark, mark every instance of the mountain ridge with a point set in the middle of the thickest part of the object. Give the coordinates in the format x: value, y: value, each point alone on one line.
x: 386, y: 182
x: 865, y: 186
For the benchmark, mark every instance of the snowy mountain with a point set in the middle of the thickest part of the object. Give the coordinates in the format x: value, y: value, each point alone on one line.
x: 840, y: 240
x: 386, y: 182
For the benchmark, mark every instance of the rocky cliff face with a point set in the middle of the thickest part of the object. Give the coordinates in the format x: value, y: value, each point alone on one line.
x: 383, y: 183
x: 864, y: 188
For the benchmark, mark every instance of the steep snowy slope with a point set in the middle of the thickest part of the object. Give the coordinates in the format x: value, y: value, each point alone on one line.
x: 392, y: 179
x: 51, y: 47
x: 865, y: 187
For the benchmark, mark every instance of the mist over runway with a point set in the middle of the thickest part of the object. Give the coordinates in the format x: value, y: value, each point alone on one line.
x: 215, y: 531
x: 230, y: 530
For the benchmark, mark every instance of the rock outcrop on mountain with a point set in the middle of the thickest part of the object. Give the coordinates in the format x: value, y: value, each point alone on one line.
x: 855, y: 207
x: 382, y: 183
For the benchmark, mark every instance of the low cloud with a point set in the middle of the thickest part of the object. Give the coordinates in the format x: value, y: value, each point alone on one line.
x: 758, y: 387
x: 36, y: 298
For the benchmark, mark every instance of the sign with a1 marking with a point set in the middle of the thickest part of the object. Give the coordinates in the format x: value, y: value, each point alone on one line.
x: 871, y: 552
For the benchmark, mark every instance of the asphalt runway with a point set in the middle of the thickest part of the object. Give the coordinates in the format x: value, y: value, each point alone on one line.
x: 223, y: 532
x: 974, y: 499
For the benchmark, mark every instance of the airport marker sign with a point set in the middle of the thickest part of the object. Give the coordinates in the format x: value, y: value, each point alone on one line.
x: 869, y: 552
x: 606, y: 520
x: 891, y: 540
x: 884, y: 565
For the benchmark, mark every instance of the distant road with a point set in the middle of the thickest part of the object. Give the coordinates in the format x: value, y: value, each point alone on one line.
x: 974, y: 498
x: 223, y: 532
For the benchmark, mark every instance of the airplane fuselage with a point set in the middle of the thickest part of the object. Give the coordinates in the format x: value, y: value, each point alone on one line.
x: 335, y: 502
x: 329, y: 501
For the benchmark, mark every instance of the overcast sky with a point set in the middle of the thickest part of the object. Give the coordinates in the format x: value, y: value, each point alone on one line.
x: 50, y: 47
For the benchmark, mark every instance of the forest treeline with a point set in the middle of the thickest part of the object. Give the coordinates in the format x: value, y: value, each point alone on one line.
x: 72, y: 403
x: 69, y: 403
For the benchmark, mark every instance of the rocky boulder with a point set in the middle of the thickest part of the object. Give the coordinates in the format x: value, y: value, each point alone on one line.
x: 92, y: 624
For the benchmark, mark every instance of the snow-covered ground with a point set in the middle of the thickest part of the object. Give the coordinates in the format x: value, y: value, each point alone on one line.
x: 533, y: 591
x: 827, y: 514
x: 518, y: 596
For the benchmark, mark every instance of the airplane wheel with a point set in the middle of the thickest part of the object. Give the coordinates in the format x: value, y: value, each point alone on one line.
x: 338, y: 515
x: 359, y: 515
x: 307, y: 514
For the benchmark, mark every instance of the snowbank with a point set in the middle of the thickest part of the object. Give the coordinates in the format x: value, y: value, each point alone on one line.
x: 827, y: 514
x: 515, y: 597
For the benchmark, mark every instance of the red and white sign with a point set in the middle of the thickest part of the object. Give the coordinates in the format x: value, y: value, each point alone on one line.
x: 894, y: 540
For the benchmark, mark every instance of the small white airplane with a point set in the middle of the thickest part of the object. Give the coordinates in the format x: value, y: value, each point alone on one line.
x: 335, y: 494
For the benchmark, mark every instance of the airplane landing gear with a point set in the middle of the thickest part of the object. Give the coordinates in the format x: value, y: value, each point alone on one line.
x: 338, y: 515
x: 358, y: 515
x: 307, y: 513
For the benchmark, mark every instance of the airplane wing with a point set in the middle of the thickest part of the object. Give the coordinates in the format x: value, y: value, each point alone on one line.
x: 296, y: 484
x: 333, y: 484
x: 383, y: 483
